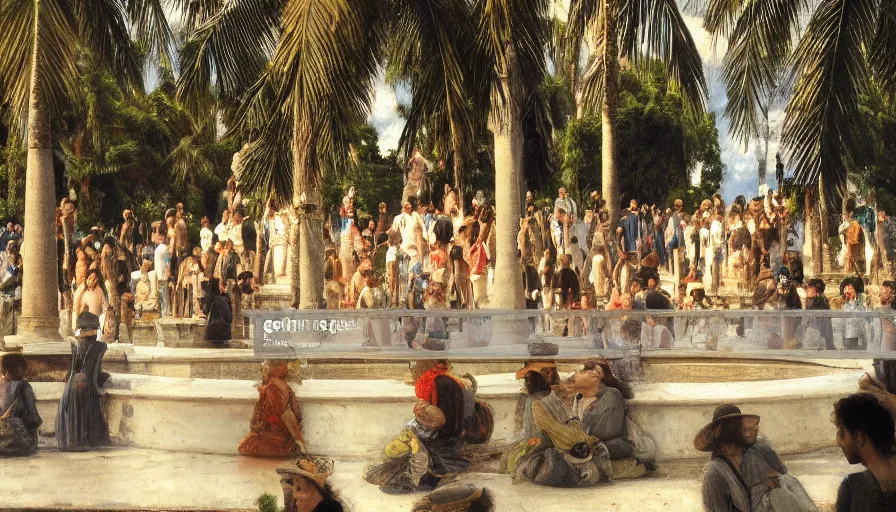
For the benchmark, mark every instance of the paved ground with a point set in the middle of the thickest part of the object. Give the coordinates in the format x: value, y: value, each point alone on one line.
x: 132, y: 479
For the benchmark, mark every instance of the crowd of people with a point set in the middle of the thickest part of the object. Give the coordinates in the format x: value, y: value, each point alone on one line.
x: 153, y: 270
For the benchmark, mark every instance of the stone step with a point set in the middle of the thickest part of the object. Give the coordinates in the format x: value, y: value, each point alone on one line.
x: 358, y: 417
x: 139, y: 479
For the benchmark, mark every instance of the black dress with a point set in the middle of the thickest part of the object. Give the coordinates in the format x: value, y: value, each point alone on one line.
x: 220, y: 317
x: 80, y: 424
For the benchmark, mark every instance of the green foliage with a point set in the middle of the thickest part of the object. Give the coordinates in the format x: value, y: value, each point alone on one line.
x: 658, y: 145
x: 876, y: 170
x: 140, y: 152
x: 375, y: 178
x: 268, y: 503
x: 12, y: 173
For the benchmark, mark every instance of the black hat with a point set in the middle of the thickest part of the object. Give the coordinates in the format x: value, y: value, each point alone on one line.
x: 705, y: 438
x: 816, y: 283
x: 244, y: 275
x: 88, y: 324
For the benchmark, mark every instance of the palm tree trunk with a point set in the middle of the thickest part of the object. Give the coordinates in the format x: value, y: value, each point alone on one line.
x: 40, y: 313
x: 813, y: 227
x: 459, y: 172
x: 306, y: 194
x: 508, y: 130
x: 762, y: 153
x: 609, y: 181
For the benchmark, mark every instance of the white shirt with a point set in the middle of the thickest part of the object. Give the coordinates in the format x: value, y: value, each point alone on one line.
x: 716, y: 236
x: 205, y: 239
x: 404, y: 223
x: 223, y: 231
x: 160, y: 261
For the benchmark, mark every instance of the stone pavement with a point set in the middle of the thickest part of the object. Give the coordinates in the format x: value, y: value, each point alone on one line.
x: 136, y: 479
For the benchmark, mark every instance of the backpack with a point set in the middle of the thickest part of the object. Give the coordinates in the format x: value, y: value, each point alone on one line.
x: 479, y: 258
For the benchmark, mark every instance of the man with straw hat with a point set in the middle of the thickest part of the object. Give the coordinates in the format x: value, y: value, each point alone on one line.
x: 744, y: 473
x: 305, y: 487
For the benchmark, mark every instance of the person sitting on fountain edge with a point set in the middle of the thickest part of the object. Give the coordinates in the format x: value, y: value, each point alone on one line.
x: 865, y: 432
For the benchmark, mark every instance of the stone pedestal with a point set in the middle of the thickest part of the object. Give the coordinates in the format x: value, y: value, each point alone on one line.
x: 34, y: 329
x: 511, y: 330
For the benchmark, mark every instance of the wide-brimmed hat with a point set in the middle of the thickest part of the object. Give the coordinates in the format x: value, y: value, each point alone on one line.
x: 534, y: 366
x: 707, y: 435
x: 451, y: 498
x: 88, y: 324
x: 316, y: 469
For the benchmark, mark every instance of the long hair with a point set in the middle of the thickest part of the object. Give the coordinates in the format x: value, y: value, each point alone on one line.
x: 609, y: 378
x: 732, y: 432
x: 536, y: 383
x: 451, y: 403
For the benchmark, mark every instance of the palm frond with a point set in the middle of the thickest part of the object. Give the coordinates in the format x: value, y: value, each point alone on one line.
x: 883, y: 49
x: 329, y: 55
x: 231, y: 48
x: 720, y: 16
x: 655, y: 30
x: 594, y: 77
x: 266, y: 165
x: 103, y: 28
x: 758, y: 48
x: 57, y: 50
x: 316, y: 92
x: 429, y: 45
x: 579, y: 20
x: 152, y: 31
x: 513, y: 34
x: 833, y: 71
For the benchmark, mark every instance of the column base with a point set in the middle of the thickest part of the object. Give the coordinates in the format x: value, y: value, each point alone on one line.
x: 511, y: 330
x: 34, y: 329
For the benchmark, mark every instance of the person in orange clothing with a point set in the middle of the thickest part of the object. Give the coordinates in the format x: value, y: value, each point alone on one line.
x: 276, y: 426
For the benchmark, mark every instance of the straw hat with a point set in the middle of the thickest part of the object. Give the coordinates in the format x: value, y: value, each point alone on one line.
x: 451, y: 498
x: 707, y: 435
x: 534, y: 366
x: 316, y: 469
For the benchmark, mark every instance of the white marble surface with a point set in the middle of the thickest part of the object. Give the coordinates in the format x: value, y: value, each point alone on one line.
x: 146, y: 479
x: 357, y: 417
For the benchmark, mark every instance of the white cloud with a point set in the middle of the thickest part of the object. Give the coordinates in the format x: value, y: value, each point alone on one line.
x: 384, y: 115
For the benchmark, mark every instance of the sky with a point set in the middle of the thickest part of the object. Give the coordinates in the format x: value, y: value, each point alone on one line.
x: 741, y: 177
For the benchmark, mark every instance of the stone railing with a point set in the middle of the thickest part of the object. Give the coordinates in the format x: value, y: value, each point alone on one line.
x: 572, y: 334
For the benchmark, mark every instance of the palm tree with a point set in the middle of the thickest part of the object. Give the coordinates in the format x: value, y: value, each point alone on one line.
x: 513, y: 37
x: 845, y: 45
x: 431, y: 46
x: 637, y: 30
x: 315, y: 94
x: 40, y: 45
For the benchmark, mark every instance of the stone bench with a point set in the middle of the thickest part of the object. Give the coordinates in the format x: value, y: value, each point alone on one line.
x: 357, y: 417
